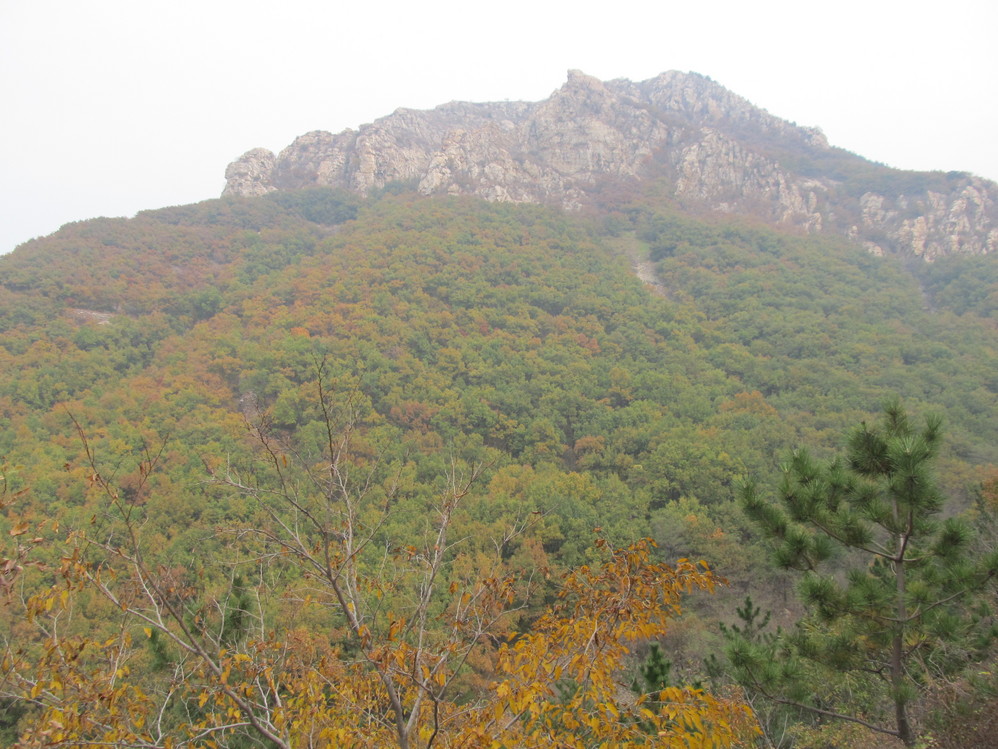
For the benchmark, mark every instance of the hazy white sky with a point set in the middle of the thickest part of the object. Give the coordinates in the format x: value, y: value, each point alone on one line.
x: 108, y: 107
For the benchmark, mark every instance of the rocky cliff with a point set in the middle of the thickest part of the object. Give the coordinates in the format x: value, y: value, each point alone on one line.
x: 706, y: 147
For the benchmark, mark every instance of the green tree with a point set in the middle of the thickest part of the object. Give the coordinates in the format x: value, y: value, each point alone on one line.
x: 402, y: 632
x: 901, y: 607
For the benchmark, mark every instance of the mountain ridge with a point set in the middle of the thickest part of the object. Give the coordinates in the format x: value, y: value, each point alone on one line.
x: 710, y: 149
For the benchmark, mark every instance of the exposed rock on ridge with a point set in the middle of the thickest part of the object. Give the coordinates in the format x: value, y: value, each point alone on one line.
x: 711, y: 149
x: 251, y: 174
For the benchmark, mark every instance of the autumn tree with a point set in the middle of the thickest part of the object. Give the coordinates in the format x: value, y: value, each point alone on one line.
x: 889, y: 583
x: 15, y: 553
x: 371, y: 623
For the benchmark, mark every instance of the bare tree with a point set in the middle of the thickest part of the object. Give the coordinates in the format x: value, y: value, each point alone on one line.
x: 404, y: 615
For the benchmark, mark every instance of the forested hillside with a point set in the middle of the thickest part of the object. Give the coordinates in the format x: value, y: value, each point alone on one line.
x: 310, y: 433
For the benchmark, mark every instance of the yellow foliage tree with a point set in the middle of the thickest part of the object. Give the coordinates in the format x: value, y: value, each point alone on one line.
x: 560, y: 684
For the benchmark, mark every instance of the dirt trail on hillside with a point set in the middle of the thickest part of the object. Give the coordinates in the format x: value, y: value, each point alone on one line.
x: 643, y: 268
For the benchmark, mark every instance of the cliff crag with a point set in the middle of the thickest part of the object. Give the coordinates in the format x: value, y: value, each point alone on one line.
x: 711, y: 150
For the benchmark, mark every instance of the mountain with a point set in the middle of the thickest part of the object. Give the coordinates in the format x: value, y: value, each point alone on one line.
x: 705, y: 147
x: 584, y: 343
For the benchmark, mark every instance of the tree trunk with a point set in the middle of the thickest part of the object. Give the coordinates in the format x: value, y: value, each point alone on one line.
x: 905, y: 732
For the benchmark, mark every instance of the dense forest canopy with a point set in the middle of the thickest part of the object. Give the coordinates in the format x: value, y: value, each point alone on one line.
x: 155, y: 372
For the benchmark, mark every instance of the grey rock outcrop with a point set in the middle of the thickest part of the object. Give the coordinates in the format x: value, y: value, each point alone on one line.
x: 934, y: 224
x: 699, y: 143
x: 251, y: 174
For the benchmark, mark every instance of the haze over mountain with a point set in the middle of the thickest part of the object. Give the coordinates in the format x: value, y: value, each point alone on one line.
x: 262, y: 450
x: 105, y: 118
x: 706, y: 148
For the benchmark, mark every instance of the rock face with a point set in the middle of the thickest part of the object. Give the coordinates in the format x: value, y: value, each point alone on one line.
x: 251, y: 174
x: 697, y: 142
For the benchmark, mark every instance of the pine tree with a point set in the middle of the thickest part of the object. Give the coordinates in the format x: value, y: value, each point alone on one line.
x: 903, y: 607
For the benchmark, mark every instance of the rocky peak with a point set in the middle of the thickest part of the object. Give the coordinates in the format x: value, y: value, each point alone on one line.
x: 251, y: 174
x: 713, y: 149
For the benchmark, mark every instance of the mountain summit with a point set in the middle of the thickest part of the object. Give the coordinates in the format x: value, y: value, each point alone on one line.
x: 681, y: 134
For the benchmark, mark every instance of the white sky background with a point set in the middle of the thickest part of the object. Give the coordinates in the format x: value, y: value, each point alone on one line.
x: 108, y: 107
